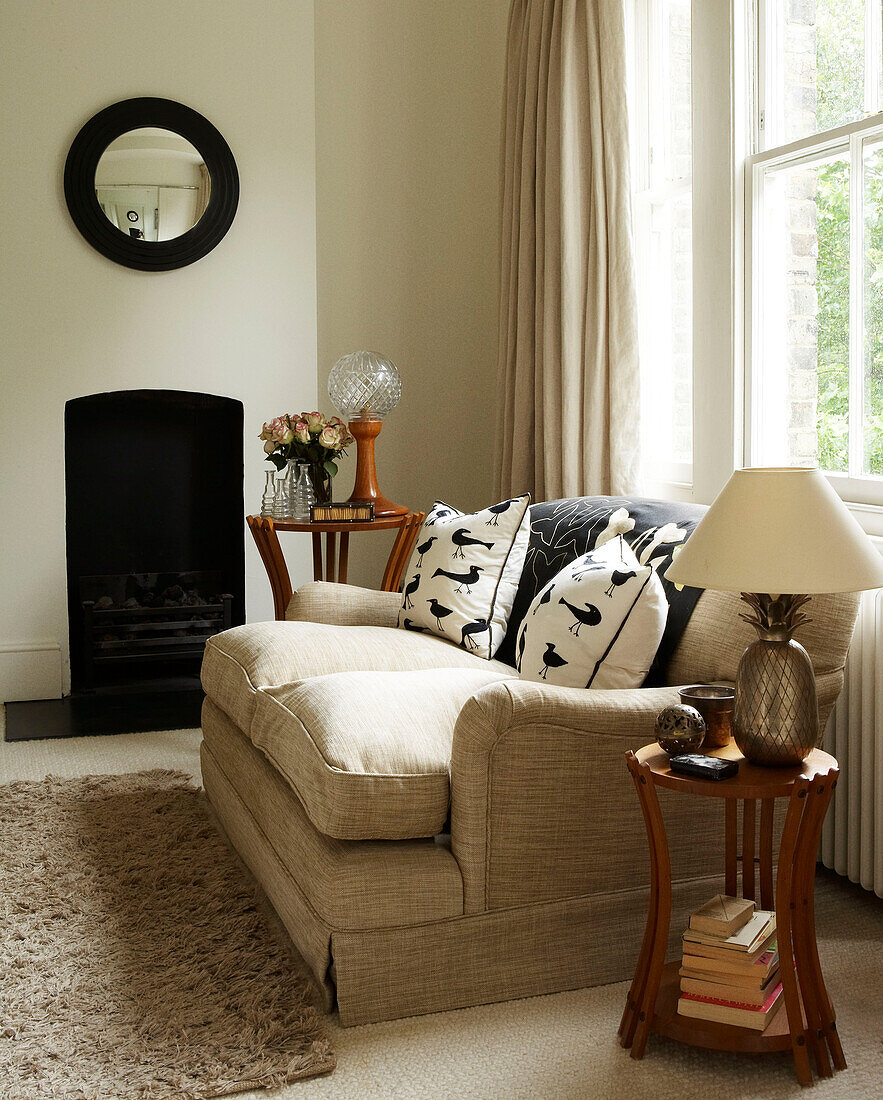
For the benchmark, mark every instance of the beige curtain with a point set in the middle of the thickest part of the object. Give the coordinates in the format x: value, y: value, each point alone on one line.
x: 569, y: 416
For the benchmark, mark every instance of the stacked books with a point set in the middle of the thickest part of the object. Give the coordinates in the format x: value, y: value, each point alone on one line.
x: 730, y: 965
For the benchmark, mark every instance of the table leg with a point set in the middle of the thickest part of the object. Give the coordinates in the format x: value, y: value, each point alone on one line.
x: 820, y: 1013
x: 401, y: 551
x: 767, y: 814
x: 641, y: 1003
x: 785, y: 909
x: 749, y: 812
x: 330, y: 556
x: 318, y: 574
x: 804, y: 874
x: 267, y: 541
x: 730, y: 862
x: 343, y: 558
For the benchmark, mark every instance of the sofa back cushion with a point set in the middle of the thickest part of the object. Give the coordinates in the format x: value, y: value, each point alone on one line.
x: 563, y: 530
x: 715, y: 637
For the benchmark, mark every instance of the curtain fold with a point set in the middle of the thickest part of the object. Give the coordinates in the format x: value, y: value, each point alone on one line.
x: 569, y: 400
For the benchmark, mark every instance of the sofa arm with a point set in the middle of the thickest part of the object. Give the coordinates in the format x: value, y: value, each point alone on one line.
x: 543, y: 806
x: 343, y: 605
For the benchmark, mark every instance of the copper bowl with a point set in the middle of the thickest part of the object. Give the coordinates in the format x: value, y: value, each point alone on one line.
x: 715, y: 703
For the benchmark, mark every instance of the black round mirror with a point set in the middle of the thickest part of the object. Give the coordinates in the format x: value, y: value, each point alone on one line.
x: 151, y: 184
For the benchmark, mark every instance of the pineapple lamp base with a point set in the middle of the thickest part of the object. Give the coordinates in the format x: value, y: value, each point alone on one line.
x: 776, y: 714
x: 365, y: 489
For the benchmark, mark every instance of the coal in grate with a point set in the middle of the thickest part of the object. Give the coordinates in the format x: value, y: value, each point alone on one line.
x: 136, y: 618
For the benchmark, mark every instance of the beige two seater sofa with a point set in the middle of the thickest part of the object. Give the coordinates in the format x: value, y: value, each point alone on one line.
x: 433, y: 831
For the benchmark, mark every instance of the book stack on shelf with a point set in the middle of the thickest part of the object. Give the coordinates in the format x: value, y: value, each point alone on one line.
x: 730, y: 966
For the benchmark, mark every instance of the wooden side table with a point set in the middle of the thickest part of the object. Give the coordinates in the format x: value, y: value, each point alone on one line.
x: 805, y: 1022
x: 334, y: 566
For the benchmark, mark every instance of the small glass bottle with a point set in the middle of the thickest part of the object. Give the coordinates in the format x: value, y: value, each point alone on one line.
x: 283, y: 503
x: 303, y: 494
x: 268, y: 500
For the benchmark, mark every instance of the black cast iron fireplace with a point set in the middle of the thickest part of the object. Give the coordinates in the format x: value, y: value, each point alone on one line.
x: 155, y: 556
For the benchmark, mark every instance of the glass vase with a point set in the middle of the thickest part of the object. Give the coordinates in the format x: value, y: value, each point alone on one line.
x: 268, y: 500
x: 303, y: 494
x: 283, y: 504
x: 321, y: 481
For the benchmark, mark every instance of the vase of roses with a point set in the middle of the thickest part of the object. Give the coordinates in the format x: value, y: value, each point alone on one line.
x: 311, y: 439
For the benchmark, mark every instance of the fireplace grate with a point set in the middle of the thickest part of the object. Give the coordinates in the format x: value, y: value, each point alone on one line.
x: 138, y: 617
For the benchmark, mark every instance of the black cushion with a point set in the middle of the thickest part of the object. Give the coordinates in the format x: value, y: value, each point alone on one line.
x: 562, y: 530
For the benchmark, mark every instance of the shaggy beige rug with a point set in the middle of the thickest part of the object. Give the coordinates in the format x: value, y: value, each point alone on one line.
x: 135, y: 957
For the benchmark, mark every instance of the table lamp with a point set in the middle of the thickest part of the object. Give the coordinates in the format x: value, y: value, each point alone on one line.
x: 777, y: 535
x: 365, y: 387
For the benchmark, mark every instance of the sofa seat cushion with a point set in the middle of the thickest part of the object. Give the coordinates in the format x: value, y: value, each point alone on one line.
x: 368, y: 753
x: 262, y: 655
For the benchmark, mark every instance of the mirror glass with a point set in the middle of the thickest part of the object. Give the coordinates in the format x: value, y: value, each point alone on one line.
x: 152, y: 184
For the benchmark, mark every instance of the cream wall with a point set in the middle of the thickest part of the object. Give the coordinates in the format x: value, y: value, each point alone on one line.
x: 408, y: 108
x: 240, y: 322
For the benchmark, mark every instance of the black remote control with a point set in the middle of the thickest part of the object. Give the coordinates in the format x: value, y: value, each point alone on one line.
x: 703, y: 767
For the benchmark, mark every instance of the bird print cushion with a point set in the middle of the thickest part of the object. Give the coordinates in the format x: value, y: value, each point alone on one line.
x: 596, y: 624
x: 562, y: 530
x: 463, y: 574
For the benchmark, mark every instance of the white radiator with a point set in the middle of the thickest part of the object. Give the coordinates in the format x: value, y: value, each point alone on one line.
x: 852, y: 839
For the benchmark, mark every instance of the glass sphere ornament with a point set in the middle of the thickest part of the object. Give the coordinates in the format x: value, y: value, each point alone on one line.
x: 366, y: 387
x: 364, y: 384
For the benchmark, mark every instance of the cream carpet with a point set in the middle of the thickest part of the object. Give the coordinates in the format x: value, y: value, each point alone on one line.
x: 135, y: 959
x: 561, y: 1047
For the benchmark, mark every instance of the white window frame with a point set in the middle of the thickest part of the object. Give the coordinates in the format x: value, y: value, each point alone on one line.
x: 863, y: 492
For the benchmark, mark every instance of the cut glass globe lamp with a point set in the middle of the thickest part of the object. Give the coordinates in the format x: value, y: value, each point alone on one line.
x: 365, y: 387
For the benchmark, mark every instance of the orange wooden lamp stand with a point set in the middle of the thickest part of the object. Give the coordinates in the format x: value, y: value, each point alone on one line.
x: 365, y: 430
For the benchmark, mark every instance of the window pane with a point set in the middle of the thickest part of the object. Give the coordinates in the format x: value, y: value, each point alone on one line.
x: 818, y: 66
x: 677, y: 86
x: 803, y: 399
x: 873, y: 309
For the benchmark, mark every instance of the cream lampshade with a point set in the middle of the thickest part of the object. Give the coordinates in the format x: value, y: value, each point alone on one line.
x: 777, y: 535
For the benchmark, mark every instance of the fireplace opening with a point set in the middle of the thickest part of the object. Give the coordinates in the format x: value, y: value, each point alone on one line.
x: 153, y: 484
x: 155, y: 555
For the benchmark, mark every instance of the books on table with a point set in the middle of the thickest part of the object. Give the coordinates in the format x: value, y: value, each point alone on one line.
x: 731, y: 1012
x: 722, y: 916
x: 730, y: 964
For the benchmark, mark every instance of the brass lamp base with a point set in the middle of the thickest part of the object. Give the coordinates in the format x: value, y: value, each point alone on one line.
x: 776, y: 715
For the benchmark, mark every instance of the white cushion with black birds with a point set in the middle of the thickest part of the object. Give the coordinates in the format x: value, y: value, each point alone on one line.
x: 464, y: 571
x: 596, y: 624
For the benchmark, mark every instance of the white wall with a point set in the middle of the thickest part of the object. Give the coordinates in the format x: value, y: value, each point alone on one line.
x: 408, y: 108
x: 240, y: 322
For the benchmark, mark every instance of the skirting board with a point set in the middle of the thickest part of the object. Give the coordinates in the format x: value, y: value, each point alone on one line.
x: 30, y: 670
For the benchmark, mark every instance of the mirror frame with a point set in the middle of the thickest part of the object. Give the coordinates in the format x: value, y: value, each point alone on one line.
x: 89, y: 218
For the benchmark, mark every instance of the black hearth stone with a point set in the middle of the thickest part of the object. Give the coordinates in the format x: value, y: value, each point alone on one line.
x: 105, y: 713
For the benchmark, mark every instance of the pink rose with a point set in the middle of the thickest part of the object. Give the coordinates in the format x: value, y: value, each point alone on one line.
x: 269, y: 447
x: 315, y: 421
x: 302, y: 431
x: 330, y: 437
x: 277, y: 428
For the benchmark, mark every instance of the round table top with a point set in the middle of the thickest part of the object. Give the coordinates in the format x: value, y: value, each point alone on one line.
x: 381, y: 523
x: 753, y: 780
